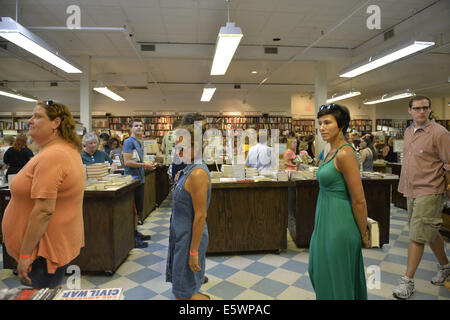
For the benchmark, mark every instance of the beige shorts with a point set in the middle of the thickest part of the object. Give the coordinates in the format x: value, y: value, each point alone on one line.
x: 425, y: 217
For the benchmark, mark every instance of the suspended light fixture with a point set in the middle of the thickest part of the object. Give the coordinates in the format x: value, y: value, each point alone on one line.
x: 21, y: 36
x: 343, y: 95
x: 17, y: 95
x: 208, y: 92
x: 385, y: 57
x: 227, y: 43
x: 107, y: 92
x: 391, y: 96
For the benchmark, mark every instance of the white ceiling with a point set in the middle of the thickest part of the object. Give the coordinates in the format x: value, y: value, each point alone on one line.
x: 185, y: 32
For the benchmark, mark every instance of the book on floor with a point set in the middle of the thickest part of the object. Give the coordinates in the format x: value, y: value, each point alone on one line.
x: 374, y: 233
x: 91, y: 294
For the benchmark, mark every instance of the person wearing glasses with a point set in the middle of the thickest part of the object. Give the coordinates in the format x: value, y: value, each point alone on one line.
x: 188, y: 235
x: 43, y: 223
x: 91, y: 153
x: 424, y: 180
x: 336, y: 267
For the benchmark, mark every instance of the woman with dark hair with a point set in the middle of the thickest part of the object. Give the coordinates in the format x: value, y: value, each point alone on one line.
x: 188, y: 237
x: 336, y: 267
x: 17, y: 156
x: 366, y: 154
x: 43, y: 223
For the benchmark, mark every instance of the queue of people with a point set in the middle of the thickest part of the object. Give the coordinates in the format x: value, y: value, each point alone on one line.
x: 43, y: 227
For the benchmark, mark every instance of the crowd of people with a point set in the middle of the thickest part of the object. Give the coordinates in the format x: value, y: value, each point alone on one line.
x: 43, y: 223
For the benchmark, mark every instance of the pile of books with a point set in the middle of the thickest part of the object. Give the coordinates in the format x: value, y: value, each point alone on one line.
x: 23, y: 293
x: 251, y: 172
x: 302, y: 175
x: 234, y: 171
x: 97, y: 170
x: 282, y: 176
x: 109, y: 182
x: 215, y: 176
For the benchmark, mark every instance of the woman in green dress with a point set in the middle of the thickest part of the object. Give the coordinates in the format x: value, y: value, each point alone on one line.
x: 336, y: 267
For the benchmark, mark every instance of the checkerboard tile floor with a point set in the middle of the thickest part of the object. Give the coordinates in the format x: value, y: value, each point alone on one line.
x: 257, y: 276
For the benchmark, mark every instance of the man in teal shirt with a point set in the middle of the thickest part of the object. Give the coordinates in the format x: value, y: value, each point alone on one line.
x: 91, y: 154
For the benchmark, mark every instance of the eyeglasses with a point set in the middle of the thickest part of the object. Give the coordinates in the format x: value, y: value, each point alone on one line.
x: 328, y: 106
x: 48, y: 103
x: 418, y: 109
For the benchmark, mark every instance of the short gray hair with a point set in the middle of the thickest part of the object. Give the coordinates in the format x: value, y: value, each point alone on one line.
x: 88, y: 137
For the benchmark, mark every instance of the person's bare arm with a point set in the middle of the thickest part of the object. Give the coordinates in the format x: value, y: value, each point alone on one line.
x: 197, y: 185
x: 128, y: 162
x: 346, y: 162
x: 37, y: 225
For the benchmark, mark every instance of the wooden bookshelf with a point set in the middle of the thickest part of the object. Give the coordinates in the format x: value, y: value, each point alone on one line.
x: 304, y: 127
x: 363, y: 126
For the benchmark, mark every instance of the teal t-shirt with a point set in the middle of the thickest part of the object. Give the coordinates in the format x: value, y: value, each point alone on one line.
x: 99, y: 156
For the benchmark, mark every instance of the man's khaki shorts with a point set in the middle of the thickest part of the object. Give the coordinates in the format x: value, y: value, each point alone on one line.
x: 425, y: 217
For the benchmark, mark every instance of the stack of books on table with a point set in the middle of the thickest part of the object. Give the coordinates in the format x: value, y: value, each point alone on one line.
x: 282, y: 176
x: 215, y: 176
x: 251, y: 172
x: 97, y: 170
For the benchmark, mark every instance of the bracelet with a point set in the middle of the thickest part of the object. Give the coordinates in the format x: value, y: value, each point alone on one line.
x: 193, y: 253
x: 25, y: 256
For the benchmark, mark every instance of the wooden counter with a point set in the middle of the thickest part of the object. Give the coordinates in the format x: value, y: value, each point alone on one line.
x: 162, y: 184
x: 303, y: 201
x: 108, y: 227
x: 397, y: 198
x: 245, y: 217
x: 150, y: 187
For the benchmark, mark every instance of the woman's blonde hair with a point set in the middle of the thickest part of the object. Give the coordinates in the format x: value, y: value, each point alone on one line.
x: 67, y: 126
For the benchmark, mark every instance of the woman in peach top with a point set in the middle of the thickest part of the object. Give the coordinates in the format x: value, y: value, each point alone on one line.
x: 289, y: 155
x: 43, y: 223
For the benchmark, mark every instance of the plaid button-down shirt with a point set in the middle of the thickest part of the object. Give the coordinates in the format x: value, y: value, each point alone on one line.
x: 426, y: 157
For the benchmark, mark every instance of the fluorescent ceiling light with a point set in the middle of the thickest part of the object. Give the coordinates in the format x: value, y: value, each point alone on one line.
x: 227, y: 43
x: 21, y: 36
x: 385, y: 57
x: 391, y: 96
x: 104, y: 90
x: 17, y: 95
x: 343, y: 95
x: 208, y: 92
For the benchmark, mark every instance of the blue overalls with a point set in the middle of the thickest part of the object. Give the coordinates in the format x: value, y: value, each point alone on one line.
x: 185, y: 283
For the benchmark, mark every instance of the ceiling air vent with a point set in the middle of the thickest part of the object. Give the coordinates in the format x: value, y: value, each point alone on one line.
x: 388, y: 34
x: 270, y: 50
x: 147, y: 47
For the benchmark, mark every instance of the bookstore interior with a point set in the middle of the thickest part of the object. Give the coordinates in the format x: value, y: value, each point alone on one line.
x: 249, y: 68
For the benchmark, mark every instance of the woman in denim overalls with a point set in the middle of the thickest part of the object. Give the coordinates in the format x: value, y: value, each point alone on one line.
x: 188, y: 239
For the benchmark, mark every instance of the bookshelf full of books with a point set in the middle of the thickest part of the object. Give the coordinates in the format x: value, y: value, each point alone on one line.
x: 363, y: 126
x: 154, y: 126
x: 304, y: 127
x: 12, y: 124
x: 282, y: 123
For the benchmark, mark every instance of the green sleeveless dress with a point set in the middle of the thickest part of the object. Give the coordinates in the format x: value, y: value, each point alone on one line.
x: 336, y: 266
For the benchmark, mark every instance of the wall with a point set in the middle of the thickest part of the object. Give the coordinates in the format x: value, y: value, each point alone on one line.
x: 262, y: 100
x: 302, y: 106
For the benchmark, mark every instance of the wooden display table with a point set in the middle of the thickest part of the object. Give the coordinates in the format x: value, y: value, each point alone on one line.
x: 397, y: 198
x: 248, y: 216
x: 149, y: 193
x: 108, y: 227
x: 162, y: 184
x: 303, y: 201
